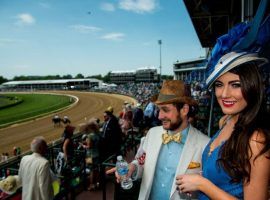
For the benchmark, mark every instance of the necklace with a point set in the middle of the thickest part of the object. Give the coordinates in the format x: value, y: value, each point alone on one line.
x: 211, y: 147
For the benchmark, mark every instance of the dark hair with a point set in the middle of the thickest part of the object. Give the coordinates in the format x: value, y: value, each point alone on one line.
x: 178, y: 106
x: 192, y: 109
x: 235, y: 153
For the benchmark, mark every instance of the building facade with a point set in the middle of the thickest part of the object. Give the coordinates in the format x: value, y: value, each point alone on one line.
x: 146, y: 74
x: 192, y: 70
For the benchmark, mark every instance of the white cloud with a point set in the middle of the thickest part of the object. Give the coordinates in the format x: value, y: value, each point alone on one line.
x: 107, y: 7
x: 25, y: 19
x: 138, y: 6
x: 113, y: 36
x: 85, y: 29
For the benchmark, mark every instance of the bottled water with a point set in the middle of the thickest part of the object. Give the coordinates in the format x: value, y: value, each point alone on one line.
x: 122, y: 170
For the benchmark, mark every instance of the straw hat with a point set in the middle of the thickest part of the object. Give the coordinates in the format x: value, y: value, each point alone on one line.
x: 109, y: 109
x: 230, y: 61
x: 174, y: 91
x: 10, y: 184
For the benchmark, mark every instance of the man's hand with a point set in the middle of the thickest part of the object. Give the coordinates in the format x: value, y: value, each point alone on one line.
x: 131, y: 169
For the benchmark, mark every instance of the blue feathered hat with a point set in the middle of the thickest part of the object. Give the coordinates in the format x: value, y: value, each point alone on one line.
x: 244, y: 43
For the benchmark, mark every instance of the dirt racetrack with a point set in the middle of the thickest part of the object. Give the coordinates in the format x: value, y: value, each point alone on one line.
x: 89, y: 105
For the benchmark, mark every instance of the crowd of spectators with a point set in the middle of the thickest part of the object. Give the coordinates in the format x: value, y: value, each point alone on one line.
x: 140, y: 91
x: 143, y: 92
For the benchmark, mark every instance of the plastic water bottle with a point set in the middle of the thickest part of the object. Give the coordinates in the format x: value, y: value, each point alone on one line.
x: 122, y: 170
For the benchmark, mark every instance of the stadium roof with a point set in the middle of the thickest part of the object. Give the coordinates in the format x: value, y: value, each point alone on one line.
x: 123, y: 71
x: 49, y: 81
x: 213, y: 18
x: 145, y: 68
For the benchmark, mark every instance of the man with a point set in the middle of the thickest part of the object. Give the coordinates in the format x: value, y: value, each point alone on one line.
x: 171, y: 149
x: 151, y: 113
x: 111, y: 135
x: 35, y: 174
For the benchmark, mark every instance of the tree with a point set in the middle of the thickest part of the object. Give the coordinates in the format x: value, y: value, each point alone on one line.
x: 79, y: 76
x: 99, y: 77
x: 68, y: 76
x: 106, y: 78
x: 167, y: 77
x: 3, y: 80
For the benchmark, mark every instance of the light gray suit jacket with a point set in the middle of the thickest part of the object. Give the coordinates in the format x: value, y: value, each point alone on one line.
x: 192, y: 152
x: 36, y: 178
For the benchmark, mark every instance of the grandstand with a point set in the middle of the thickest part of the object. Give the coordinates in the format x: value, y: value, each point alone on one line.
x: 62, y: 84
x: 145, y: 74
x: 191, y: 70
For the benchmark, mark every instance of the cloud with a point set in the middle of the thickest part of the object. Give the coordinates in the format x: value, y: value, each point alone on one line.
x: 107, y: 7
x: 113, y: 36
x: 138, y: 6
x: 25, y: 19
x: 85, y: 29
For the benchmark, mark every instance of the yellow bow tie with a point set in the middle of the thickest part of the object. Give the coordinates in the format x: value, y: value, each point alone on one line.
x: 166, y: 138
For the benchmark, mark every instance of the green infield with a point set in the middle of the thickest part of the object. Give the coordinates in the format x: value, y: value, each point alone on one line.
x: 31, y: 106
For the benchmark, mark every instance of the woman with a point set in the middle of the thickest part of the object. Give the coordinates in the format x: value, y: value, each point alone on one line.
x: 93, y: 152
x: 236, y: 162
x: 67, y: 147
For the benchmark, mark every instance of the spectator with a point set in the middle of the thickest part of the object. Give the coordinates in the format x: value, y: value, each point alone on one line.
x: 138, y: 116
x: 35, y: 174
x: 9, y: 185
x: 68, y: 146
x: 151, y: 113
x: 111, y: 136
x: 126, y: 122
x: 93, y: 152
x: 236, y: 162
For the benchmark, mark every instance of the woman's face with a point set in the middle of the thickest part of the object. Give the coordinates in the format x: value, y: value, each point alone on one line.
x: 229, y: 94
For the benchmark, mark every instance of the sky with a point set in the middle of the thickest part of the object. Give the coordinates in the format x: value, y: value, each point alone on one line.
x: 91, y: 37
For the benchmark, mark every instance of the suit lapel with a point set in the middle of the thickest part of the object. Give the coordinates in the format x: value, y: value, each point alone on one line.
x: 186, y: 156
x: 151, y: 159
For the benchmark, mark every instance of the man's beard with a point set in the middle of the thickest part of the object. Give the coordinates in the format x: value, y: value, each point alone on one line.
x: 173, y: 126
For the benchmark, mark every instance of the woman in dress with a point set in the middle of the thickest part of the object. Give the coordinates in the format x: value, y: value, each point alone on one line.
x: 93, y: 152
x: 236, y: 162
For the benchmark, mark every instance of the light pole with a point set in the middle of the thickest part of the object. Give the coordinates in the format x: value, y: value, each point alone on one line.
x: 160, y: 43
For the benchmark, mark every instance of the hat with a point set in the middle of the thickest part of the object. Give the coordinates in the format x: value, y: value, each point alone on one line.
x: 109, y: 109
x: 230, y: 61
x: 10, y: 184
x: 138, y: 105
x: 174, y: 91
x: 84, y: 136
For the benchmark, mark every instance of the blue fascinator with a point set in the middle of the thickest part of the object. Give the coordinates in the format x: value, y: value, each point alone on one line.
x: 246, y: 42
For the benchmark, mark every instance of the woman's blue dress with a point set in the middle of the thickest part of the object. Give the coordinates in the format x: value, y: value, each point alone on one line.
x: 216, y: 173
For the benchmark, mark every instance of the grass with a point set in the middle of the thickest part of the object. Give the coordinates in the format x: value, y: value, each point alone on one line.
x: 8, y: 101
x: 32, y: 105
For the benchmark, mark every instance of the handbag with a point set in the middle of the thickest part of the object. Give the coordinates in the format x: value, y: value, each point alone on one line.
x: 89, y: 160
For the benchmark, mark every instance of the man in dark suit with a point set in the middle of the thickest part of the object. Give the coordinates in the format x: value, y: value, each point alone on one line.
x: 111, y: 135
